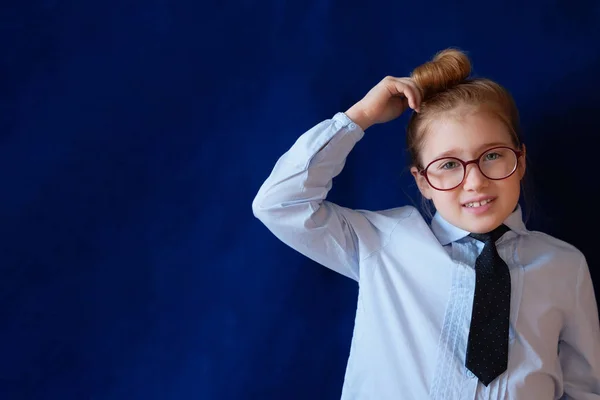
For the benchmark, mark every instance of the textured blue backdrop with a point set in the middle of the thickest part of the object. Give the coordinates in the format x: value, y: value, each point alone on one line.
x: 135, y: 134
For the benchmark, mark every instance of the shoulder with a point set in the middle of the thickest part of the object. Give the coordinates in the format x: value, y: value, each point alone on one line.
x: 390, y: 218
x: 545, y: 245
x: 405, y: 220
x: 399, y: 225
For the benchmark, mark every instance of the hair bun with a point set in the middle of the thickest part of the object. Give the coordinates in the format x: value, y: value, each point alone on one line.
x: 448, y: 68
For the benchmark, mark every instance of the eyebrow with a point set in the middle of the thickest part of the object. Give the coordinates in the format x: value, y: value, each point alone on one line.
x: 454, y: 151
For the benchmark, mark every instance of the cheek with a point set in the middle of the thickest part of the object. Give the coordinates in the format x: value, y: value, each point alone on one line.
x: 512, y: 185
x: 443, y: 200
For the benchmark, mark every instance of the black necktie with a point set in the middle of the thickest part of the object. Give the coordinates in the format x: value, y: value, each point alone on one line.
x: 487, y: 349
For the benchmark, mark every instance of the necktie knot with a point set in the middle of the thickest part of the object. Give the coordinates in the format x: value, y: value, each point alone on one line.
x: 492, y: 236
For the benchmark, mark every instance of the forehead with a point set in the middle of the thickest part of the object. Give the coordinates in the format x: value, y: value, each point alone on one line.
x: 464, y: 135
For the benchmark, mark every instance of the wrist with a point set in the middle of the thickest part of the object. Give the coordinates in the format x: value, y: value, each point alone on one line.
x: 359, y: 118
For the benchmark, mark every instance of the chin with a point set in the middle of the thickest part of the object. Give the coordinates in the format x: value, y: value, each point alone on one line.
x: 482, y: 224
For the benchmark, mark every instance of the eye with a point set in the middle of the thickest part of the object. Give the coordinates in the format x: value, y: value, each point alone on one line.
x: 449, y: 165
x: 492, y: 156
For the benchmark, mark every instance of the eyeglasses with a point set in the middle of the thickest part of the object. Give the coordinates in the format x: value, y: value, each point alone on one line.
x: 448, y: 173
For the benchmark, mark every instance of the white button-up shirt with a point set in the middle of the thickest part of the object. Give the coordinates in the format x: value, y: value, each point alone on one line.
x: 416, y: 285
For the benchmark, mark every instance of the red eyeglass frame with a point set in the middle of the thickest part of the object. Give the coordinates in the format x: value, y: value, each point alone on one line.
x: 518, y: 154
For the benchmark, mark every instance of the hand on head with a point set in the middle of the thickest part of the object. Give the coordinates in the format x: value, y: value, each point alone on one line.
x: 386, y: 101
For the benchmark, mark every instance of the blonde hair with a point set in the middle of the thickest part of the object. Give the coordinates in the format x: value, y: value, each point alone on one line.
x: 448, y: 89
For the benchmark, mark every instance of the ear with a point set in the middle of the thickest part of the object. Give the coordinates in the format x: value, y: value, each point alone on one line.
x: 522, y: 162
x: 422, y: 183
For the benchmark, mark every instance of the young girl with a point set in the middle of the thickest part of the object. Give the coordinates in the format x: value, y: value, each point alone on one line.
x: 471, y: 306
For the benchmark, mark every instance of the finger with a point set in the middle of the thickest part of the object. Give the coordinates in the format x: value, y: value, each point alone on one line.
x: 416, y: 91
x: 406, y: 88
x: 411, y: 94
x: 404, y: 102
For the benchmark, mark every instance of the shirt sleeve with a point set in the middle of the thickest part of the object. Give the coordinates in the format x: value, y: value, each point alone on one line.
x: 291, y: 202
x: 579, y: 347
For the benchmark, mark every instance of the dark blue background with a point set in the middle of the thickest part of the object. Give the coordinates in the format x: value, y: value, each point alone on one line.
x: 135, y: 134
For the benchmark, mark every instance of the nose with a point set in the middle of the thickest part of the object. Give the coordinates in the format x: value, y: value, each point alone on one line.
x: 474, y: 179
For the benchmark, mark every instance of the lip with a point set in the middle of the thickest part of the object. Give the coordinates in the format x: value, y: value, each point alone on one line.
x: 478, y: 199
x: 481, y: 209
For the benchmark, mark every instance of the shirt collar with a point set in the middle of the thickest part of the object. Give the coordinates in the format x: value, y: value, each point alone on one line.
x: 447, y: 233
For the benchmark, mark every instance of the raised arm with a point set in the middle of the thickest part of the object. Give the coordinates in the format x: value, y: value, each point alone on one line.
x: 292, y: 204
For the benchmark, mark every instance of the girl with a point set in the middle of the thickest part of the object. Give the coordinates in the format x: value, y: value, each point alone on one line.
x: 470, y: 306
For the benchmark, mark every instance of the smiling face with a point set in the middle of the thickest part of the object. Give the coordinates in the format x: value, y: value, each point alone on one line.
x: 478, y: 204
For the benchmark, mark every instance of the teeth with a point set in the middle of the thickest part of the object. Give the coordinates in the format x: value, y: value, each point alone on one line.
x: 478, y: 203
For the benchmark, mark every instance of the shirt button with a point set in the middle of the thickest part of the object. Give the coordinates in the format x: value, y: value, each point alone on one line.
x: 352, y: 126
x: 470, y: 374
